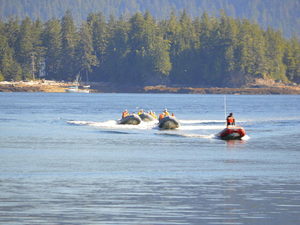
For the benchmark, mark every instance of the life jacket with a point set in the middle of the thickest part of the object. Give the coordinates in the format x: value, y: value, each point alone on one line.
x: 173, y: 114
x: 153, y: 115
x: 230, y: 120
x: 161, y: 116
x: 167, y: 113
x: 124, y: 114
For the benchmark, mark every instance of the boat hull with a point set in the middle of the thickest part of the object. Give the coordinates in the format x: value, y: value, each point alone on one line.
x: 168, y: 122
x: 76, y: 90
x: 146, y: 117
x: 132, y: 120
x: 232, y: 133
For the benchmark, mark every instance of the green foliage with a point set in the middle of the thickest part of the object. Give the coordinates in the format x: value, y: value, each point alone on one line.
x: 24, y: 47
x: 139, y: 50
x: 51, y: 40
x: 68, y: 43
x: 9, y: 68
x: 279, y: 14
x: 1, y: 77
x: 84, y: 52
x: 291, y: 60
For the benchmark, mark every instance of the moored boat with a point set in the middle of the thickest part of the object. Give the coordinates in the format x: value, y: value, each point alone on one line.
x: 168, y: 122
x: 75, y: 89
x: 232, y: 133
x: 131, y: 119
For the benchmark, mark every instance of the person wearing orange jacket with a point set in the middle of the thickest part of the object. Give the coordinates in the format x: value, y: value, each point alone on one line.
x: 125, y: 113
x: 230, y: 120
x: 161, y: 116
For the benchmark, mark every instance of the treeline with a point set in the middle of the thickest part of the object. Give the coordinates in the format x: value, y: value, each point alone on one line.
x: 279, y: 14
x: 139, y: 50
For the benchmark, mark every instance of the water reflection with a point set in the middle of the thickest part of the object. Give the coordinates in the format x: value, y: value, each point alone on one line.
x: 235, y: 144
x: 148, y: 201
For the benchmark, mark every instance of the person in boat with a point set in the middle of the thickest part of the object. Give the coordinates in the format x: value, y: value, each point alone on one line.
x: 166, y: 113
x: 230, y: 120
x: 152, y: 114
x: 125, y: 113
x: 161, y: 116
x: 141, y: 111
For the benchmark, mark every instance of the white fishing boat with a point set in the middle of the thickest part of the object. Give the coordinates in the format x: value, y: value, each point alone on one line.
x: 76, y: 87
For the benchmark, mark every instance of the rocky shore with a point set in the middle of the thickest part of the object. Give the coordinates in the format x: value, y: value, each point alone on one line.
x: 53, y: 86
x: 33, y: 86
x: 287, y: 90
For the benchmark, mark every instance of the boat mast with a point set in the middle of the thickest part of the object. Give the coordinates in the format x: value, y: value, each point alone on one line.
x: 225, y: 114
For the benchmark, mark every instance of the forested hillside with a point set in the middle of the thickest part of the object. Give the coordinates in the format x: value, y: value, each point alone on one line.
x: 279, y: 14
x: 140, y: 50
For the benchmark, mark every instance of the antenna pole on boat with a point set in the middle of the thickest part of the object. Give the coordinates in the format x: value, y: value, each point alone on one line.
x: 225, y: 107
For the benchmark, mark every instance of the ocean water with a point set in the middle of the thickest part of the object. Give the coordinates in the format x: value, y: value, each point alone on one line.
x: 65, y: 160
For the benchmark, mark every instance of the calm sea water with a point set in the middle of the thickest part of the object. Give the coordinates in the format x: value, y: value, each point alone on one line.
x: 64, y: 160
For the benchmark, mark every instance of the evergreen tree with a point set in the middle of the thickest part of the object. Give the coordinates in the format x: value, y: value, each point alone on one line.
x: 9, y: 68
x: 24, y: 49
x: 52, y: 43
x: 147, y: 49
x: 38, y: 49
x: 274, y: 55
x: 224, y: 52
x: 250, y: 59
x: 186, y: 45
x: 139, y: 50
x: 12, y: 29
x: 100, y: 35
x: 291, y: 59
x: 85, y: 57
x: 115, y: 62
x: 69, y: 41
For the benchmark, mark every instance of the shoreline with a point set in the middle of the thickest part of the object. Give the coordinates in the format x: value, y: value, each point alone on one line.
x: 103, y: 87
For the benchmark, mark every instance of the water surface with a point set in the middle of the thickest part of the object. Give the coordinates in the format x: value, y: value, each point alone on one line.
x: 65, y: 160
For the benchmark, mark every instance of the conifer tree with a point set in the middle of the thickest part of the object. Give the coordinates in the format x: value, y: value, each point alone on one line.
x: 100, y: 35
x: 52, y: 43
x: 85, y: 57
x: 69, y: 40
x: 291, y: 59
x: 24, y: 48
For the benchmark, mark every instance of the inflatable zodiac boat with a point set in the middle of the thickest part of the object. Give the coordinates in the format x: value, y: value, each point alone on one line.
x: 131, y: 119
x: 168, y: 122
x: 146, y: 117
x: 232, y: 133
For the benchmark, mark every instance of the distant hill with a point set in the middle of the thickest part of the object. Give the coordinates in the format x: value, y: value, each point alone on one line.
x: 279, y: 14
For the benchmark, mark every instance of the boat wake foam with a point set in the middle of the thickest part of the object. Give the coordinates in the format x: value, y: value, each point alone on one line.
x: 201, y: 127
x: 113, y: 124
x: 200, y: 121
x: 246, y: 137
x: 192, y: 125
x: 210, y: 136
